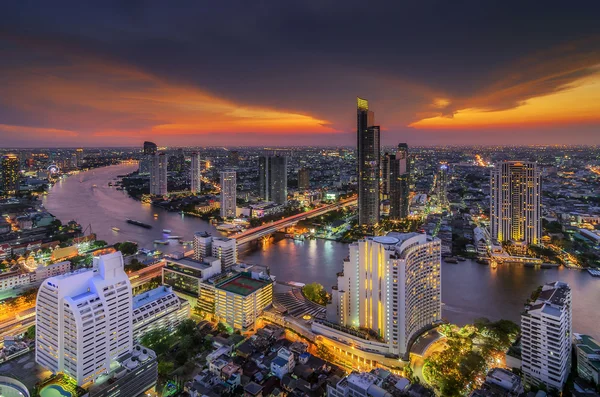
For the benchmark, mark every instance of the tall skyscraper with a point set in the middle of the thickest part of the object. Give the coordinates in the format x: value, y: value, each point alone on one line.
x: 385, y: 174
x: 149, y: 150
x: 228, y: 194
x: 158, y: 174
x: 234, y: 158
x: 79, y: 157
x: 399, y: 182
x: 392, y: 285
x: 546, y: 337
x: 84, y: 320
x: 196, y: 173
x: 441, y: 188
x: 304, y: 178
x: 272, y: 178
x: 9, y: 174
x: 515, y: 203
x: 368, y: 165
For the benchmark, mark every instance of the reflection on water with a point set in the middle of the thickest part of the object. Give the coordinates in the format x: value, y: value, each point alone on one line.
x: 469, y: 290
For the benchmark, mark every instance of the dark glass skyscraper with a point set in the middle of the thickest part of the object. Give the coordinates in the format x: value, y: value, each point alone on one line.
x: 149, y: 150
x: 9, y: 173
x: 368, y: 148
x: 272, y: 178
x: 399, y: 182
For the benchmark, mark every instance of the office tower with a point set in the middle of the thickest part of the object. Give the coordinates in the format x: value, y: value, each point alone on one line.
x: 272, y: 178
x: 304, y: 178
x: 234, y: 158
x: 228, y: 194
x: 185, y: 275
x: 202, y: 245
x: 546, y: 337
x: 368, y: 165
x: 385, y: 174
x: 9, y: 169
x: 79, y: 157
x: 399, y: 182
x: 196, y: 173
x: 158, y: 174
x: 225, y: 249
x: 149, y: 150
x: 159, y: 308
x: 392, y: 285
x: 240, y: 300
x: 515, y: 203
x: 84, y: 320
x: 441, y: 188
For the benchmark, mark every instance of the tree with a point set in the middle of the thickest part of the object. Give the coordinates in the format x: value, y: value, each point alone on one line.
x: 159, y: 340
x: 165, y: 368
x: 324, y: 352
x: 126, y: 248
x: 30, y: 334
x: 186, y: 327
x: 222, y: 328
x: 134, y: 265
x: 316, y: 293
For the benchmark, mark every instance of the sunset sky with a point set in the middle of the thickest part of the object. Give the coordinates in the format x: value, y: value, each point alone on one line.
x: 230, y: 73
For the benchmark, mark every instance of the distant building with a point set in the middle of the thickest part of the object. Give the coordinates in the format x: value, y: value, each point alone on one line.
x: 78, y: 157
x: 234, y: 158
x: 159, y: 308
x: 149, y: 150
x: 399, y: 182
x: 196, y: 174
x: 158, y: 174
x: 546, y: 337
x: 304, y: 178
x: 391, y: 285
x: 9, y: 174
x: 84, y: 320
x: 368, y: 147
x: 272, y: 178
x: 588, y: 358
x: 225, y: 249
x: 241, y: 299
x: 515, y: 203
x: 228, y: 194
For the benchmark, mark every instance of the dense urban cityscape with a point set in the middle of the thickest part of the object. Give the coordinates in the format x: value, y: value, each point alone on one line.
x: 299, y: 199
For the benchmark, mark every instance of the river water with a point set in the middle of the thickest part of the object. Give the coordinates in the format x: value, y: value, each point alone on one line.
x: 469, y: 290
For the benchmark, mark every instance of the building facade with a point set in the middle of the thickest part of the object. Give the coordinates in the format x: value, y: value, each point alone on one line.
x: 228, y: 194
x: 225, y: 249
x: 272, y: 178
x: 546, y: 337
x: 158, y: 174
x: 202, y: 245
x: 303, y: 178
x: 9, y: 174
x: 196, y: 174
x: 515, y: 203
x: 588, y: 357
x: 84, y: 320
x: 391, y: 285
x: 159, y: 308
x: 368, y: 148
x: 148, y: 150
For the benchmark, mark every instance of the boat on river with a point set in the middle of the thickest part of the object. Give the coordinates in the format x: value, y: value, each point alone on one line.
x: 138, y: 223
x: 116, y: 229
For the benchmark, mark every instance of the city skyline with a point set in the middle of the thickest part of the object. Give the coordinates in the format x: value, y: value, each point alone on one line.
x: 77, y: 76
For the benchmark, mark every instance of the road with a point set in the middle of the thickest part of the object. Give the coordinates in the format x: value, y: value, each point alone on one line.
x: 264, y: 230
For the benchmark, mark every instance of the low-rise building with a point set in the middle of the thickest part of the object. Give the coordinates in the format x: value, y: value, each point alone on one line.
x: 357, y: 384
x: 283, y: 364
x: 159, y: 308
x: 500, y: 382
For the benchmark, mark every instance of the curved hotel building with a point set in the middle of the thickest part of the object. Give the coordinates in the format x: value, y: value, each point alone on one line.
x: 390, y: 285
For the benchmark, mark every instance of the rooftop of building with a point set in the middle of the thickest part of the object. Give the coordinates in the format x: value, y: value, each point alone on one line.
x: 188, y: 261
x: 362, y: 380
x: 243, y: 284
x: 555, y: 293
x: 152, y: 295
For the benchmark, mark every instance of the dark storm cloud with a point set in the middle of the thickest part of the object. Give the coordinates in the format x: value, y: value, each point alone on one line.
x: 314, y: 57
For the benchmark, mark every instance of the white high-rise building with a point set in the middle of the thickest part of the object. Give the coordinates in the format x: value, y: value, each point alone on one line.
x: 546, y: 337
x: 84, y: 320
x: 391, y: 285
x: 202, y: 245
x: 158, y: 174
x: 226, y: 250
x: 196, y: 174
x: 515, y: 203
x: 228, y: 194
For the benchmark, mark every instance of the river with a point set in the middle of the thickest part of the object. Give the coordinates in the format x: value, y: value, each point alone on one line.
x: 469, y: 290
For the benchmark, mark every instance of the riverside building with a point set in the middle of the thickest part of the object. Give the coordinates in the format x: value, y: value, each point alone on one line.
x: 159, y: 308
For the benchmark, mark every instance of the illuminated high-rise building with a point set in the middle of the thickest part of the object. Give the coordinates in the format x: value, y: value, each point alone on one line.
x: 158, y: 174
x: 9, y: 173
x: 78, y: 157
x: 234, y: 158
x: 196, y: 173
x: 304, y: 178
x: 84, y: 320
x: 399, y: 182
x: 149, y: 150
x: 368, y: 148
x: 272, y: 178
x: 441, y: 189
x: 391, y: 285
x: 228, y: 194
x: 515, y: 203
